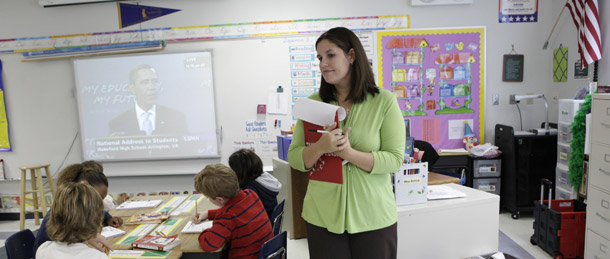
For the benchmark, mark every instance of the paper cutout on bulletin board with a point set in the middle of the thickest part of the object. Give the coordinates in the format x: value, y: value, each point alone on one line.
x: 130, y: 14
x: 437, y: 76
x: 207, y: 32
x: 560, y: 64
x: 5, y: 144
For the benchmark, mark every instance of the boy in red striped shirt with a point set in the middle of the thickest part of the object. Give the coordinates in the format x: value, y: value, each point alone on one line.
x: 241, y: 224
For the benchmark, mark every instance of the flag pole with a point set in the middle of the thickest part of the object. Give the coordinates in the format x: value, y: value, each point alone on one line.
x: 546, y: 43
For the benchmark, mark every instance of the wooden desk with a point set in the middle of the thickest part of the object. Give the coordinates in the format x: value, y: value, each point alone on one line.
x: 294, y: 187
x: 435, y: 179
x: 189, y: 247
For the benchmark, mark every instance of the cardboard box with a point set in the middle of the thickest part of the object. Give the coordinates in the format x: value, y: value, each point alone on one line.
x: 411, y: 184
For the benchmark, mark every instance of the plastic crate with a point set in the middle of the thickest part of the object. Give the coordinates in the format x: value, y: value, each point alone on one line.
x: 559, y: 229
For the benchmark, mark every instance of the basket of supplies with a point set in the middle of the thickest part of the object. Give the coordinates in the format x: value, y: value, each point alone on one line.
x: 559, y: 225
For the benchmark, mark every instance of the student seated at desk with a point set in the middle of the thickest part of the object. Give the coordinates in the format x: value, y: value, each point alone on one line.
x: 249, y: 169
x: 75, y: 217
x: 80, y: 173
x: 241, y: 223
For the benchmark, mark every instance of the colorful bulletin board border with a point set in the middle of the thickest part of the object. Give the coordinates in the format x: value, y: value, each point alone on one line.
x: 5, y: 144
x: 206, y: 32
x: 438, y: 78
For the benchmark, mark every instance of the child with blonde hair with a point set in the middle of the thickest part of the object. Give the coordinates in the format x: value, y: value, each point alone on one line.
x: 75, y: 217
x: 241, y: 223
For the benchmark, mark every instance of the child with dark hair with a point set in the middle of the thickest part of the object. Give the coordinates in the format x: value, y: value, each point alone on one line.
x: 249, y: 169
x: 74, y: 218
x: 109, y: 203
x: 79, y: 173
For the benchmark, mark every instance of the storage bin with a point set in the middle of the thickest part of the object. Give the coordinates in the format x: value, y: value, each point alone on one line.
x: 283, y: 144
x: 568, y: 108
x: 411, y: 184
x: 562, y: 177
x: 565, y: 194
x: 559, y: 228
x: 563, y: 154
x: 491, y: 185
x: 564, y: 134
x: 487, y: 168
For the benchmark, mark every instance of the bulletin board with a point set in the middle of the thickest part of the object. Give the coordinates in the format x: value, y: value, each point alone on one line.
x: 438, y: 78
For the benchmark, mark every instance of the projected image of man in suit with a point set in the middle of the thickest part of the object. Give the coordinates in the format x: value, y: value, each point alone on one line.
x: 147, y: 117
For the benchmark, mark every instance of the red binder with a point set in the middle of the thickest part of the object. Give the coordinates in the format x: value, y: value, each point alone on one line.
x: 329, y: 167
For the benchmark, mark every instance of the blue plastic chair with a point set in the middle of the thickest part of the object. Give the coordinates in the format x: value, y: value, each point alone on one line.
x: 276, y: 217
x: 20, y: 245
x: 275, y: 247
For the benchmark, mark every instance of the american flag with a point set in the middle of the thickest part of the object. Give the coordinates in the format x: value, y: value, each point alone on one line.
x: 585, y: 15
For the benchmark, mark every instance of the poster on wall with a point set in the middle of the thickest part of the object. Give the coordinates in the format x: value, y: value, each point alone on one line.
x: 5, y: 144
x: 437, y: 76
x: 513, y: 11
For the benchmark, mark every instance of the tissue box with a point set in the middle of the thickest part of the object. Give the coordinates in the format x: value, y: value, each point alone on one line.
x: 283, y: 144
x: 411, y: 184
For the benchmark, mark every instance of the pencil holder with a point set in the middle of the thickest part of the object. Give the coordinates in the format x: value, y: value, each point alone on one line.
x: 411, y: 184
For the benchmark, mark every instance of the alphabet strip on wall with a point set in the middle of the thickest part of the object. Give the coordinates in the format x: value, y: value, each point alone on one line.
x: 205, y: 32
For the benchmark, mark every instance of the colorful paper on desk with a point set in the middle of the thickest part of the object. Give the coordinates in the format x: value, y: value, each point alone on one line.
x: 139, y: 204
x: 172, y: 204
x: 188, y: 205
x: 165, y: 228
x: 316, y: 112
x: 140, y: 231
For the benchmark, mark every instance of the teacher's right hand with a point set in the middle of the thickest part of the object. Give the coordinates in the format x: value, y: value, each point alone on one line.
x: 331, y: 141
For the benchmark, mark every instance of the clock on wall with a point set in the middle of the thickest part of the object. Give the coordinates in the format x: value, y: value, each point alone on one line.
x: 439, y: 2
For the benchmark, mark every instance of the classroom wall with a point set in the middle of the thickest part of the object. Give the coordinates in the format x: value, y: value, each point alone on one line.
x: 42, y: 107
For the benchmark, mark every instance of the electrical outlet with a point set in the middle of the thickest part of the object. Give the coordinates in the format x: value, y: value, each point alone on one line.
x: 511, y: 99
x: 495, y: 99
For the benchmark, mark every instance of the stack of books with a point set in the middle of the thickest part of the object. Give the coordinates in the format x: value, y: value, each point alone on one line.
x: 159, y: 243
x: 147, y: 218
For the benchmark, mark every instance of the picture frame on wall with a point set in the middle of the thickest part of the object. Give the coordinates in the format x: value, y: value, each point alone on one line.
x: 579, y: 72
x: 512, y: 68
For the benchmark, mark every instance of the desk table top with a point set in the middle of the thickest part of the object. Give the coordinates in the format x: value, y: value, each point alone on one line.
x: 189, y: 242
x: 435, y: 179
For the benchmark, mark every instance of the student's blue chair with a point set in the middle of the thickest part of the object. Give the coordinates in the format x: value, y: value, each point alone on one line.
x: 20, y: 245
x: 276, y: 217
x: 275, y: 248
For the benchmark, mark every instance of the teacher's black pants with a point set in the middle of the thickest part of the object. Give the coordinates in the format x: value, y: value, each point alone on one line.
x: 380, y: 243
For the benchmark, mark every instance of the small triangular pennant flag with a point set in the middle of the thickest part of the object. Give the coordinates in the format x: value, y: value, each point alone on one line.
x: 130, y: 14
x: 423, y: 43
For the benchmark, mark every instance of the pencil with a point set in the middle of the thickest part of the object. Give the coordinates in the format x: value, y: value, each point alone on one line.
x: 196, y: 210
x: 322, y: 131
